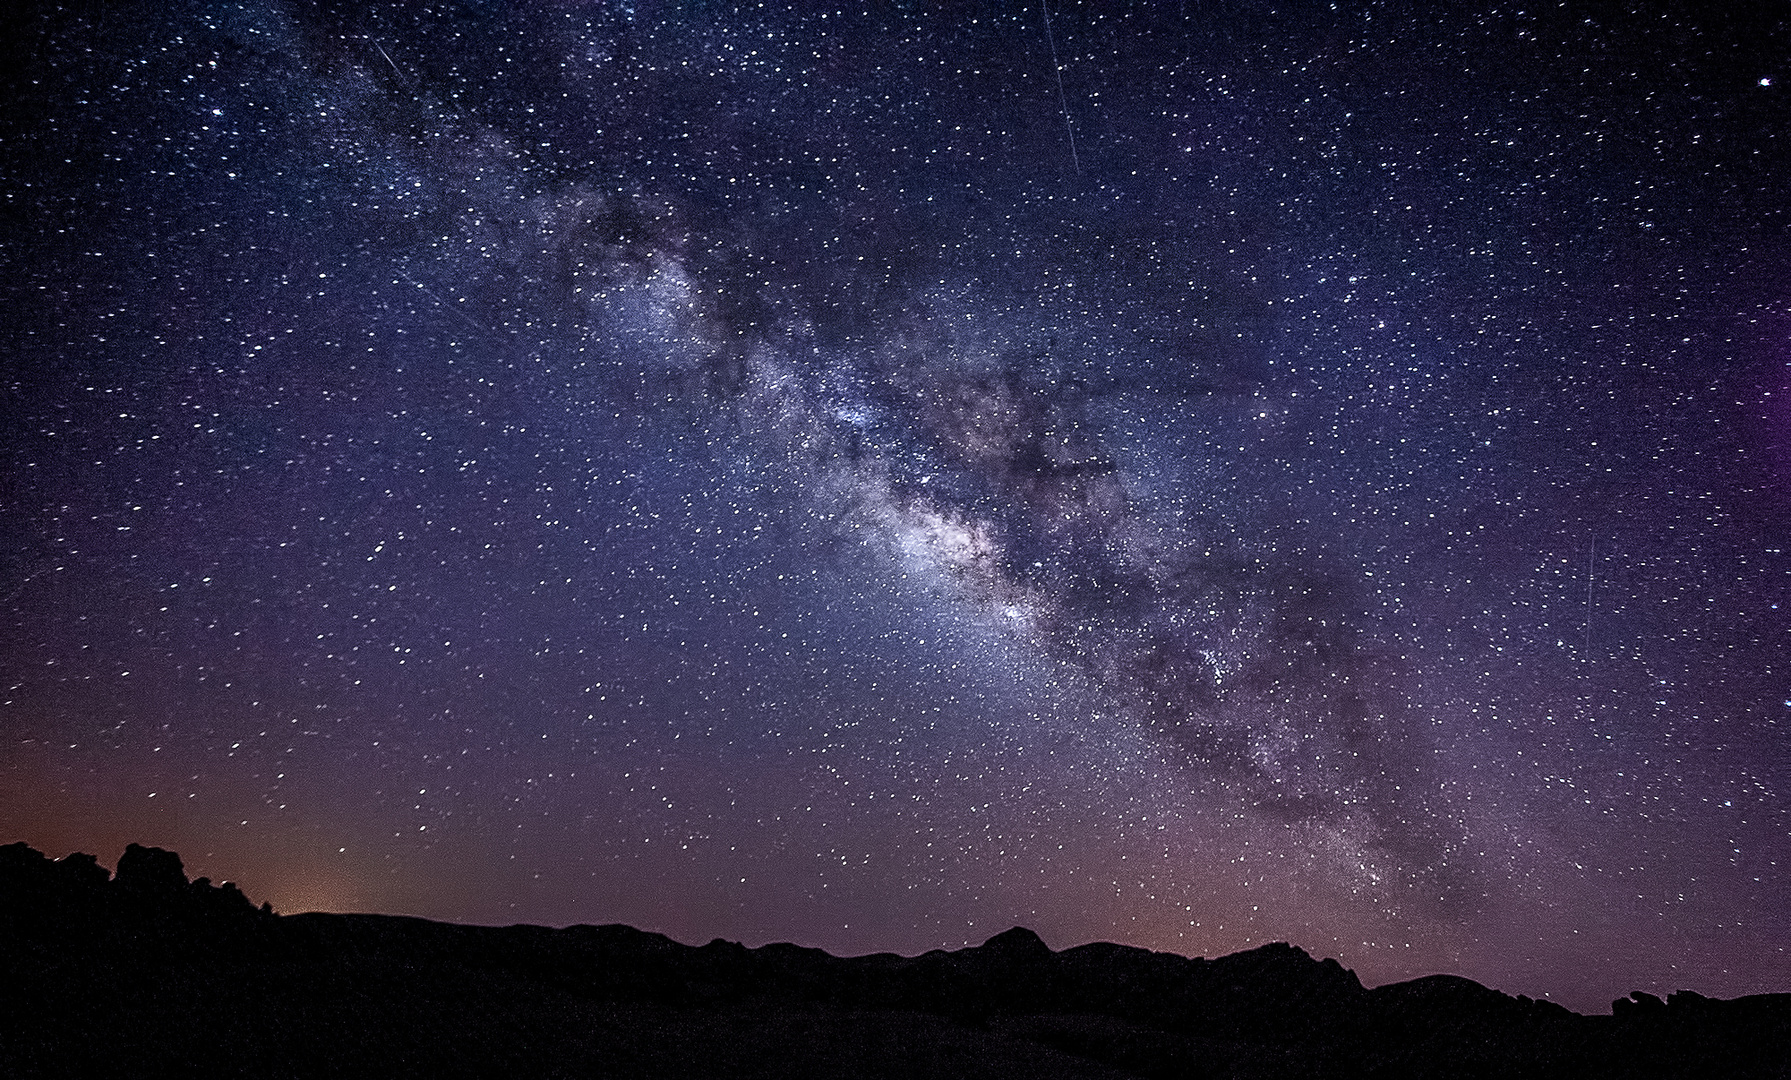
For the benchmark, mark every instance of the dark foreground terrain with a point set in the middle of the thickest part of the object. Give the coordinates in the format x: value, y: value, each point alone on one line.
x: 145, y: 973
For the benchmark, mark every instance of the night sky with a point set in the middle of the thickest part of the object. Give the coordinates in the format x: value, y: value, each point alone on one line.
x: 1183, y: 474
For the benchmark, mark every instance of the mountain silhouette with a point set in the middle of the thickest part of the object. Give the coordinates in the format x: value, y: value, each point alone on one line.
x: 145, y: 973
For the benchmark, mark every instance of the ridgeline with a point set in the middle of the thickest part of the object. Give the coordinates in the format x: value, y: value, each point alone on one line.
x: 146, y: 973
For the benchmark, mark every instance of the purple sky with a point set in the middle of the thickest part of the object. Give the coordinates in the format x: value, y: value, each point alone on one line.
x: 739, y: 471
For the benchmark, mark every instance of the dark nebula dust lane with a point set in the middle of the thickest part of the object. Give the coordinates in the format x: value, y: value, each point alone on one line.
x: 871, y: 477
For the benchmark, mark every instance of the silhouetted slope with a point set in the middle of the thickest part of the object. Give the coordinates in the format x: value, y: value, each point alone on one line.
x: 145, y: 972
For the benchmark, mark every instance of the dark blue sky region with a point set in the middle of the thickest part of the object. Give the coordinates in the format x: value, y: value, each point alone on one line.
x: 833, y: 475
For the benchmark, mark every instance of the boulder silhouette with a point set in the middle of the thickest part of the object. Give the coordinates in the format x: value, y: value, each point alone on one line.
x: 151, y: 870
x: 82, y: 870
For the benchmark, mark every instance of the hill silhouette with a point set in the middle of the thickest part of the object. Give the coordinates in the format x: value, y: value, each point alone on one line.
x: 144, y: 972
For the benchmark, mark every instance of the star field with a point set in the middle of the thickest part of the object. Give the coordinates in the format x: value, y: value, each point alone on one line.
x: 847, y: 476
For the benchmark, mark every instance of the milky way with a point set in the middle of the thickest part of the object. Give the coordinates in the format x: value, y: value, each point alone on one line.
x: 857, y: 477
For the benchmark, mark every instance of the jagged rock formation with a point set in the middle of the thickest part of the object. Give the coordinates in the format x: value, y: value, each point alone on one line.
x: 146, y: 973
